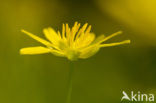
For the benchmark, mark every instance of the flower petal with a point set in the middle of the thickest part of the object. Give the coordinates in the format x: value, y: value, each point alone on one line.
x: 88, y: 38
x: 34, y: 50
x: 57, y: 53
x: 37, y: 38
x: 98, y: 39
x: 88, y: 52
x: 115, y: 44
x: 51, y: 35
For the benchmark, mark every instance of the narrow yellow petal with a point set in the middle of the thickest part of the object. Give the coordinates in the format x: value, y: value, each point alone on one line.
x: 98, y: 39
x: 37, y: 38
x: 57, y: 53
x: 51, y: 35
x: 88, y: 39
x: 114, y: 34
x: 115, y: 44
x: 34, y: 50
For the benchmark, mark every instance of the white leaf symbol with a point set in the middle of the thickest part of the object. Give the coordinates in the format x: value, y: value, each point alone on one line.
x: 125, y: 96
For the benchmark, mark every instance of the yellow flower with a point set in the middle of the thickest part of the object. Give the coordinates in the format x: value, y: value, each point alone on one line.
x: 72, y: 43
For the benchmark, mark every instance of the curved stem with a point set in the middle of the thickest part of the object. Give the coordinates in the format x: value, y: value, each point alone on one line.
x: 69, y: 91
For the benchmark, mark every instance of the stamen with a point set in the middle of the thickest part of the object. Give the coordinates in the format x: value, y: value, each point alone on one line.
x: 78, y: 27
x: 76, y: 30
x: 74, y: 26
x: 84, y: 27
x: 88, y: 29
x: 81, y: 30
x: 67, y: 31
x: 59, y: 34
x: 68, y: 34
x: 63, y: 31
x: 73, y: 32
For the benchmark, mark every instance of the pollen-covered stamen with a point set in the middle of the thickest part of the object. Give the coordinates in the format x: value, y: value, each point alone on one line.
x: 86, y: 33
x: 81, y: 31
x: 88, y: 29
x: 63, y: 31
x: 59, y: 34
x: 76, y: 30
x: 72, y: 34
x: 85, y: 41
x: 67, y: 32
x: 74, y: 27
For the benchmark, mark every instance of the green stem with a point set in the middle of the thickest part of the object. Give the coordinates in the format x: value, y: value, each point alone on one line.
x: 69, y: 91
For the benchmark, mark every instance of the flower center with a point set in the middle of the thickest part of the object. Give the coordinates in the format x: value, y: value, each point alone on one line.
x: 72, y: 54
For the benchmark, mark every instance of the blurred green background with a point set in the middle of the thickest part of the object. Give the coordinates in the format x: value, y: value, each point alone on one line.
x: 99, y: 79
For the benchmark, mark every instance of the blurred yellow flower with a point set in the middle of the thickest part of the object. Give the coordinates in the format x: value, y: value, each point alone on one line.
x: 73, y: 43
